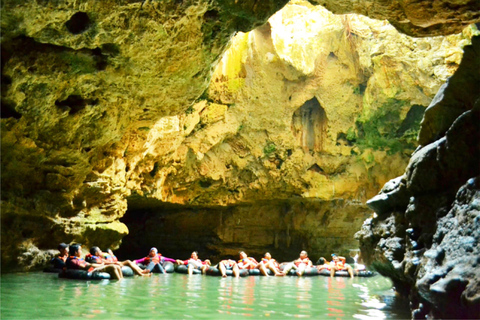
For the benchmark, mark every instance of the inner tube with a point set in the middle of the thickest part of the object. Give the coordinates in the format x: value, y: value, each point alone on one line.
x: 257, y: 272
x: 83, y: 275
x: 127, y: 271
x: 168, y: 266
x: 184, y: 269
x: 213, y: 271
x: 344, y: 273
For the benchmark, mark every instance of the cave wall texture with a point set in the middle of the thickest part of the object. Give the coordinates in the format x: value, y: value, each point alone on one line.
x: 425, y: 234
x: 106, y: 103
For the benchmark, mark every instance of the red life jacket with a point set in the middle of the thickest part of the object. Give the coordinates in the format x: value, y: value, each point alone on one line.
x: 74, y: 262
x: 306, y: 260
x: 248, y: 259
x: 340, y: 264
x: 156, y: 259
x: 93, y: 259
x: 109, y: 258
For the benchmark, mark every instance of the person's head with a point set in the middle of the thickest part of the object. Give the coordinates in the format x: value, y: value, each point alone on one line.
x: 303, y: 254
x: 268, y: 255
x: 75, y: 250
x: 321, y: 261
x: 242, y: 254
x: 153, y: 252
x: 334, y: 257
x: 194, y: 255
x: 63, y: 248
x: 95, y: 251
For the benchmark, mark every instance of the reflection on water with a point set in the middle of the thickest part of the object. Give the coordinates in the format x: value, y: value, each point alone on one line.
x: 44, y: 296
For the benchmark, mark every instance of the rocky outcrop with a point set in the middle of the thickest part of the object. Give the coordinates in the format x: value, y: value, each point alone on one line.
x: 416, y: 18
x: 425, y: 235
x: 80, y: 83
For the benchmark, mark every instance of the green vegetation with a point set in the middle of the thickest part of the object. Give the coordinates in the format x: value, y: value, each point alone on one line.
x: 383, y: 129
x: 269, y: 148
x: 189, y: 110
x: 78, y: 62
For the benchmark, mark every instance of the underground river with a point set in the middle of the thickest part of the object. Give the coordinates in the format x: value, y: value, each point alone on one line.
x: 45, y: 296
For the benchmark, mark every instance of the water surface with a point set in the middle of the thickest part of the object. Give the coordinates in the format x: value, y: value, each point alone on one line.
x: 45, y: 296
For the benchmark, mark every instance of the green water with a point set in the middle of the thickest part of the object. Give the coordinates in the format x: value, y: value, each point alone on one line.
x: 44, y: 296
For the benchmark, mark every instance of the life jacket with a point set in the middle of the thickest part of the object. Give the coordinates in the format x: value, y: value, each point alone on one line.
x: 79, y: 264
x: 306, y: 260
x: 109, y: 258
x: 243, y: 261
x: 93, y: 259
x: 63, y: 258
x: 157, y: 259
x: 340, y: 264
x: 197, y: 263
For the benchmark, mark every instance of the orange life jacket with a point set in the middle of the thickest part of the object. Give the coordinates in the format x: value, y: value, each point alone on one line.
x: 81, y: 263
x: 340, y: 264
x: 109, y: 258
x: 265, y: 261
x: 306, y: 260
x: 248, y: 259
x: 156, y: 259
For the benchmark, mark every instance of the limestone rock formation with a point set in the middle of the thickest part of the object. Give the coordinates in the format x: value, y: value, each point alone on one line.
x: 81, y: 80
x: 417, y: 18
x: 106, y: 101
x: 428, y: 241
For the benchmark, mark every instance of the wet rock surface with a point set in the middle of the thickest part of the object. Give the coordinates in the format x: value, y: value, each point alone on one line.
x: 431, y: 249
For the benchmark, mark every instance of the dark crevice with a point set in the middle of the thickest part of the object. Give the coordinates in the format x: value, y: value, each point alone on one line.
x: 309, y: 125
x: 316, y: 168
x: 75, y: 103
x: 78, y: 23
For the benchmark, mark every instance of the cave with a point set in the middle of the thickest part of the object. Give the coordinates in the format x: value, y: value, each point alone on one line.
x: 183, y: 133
x: 309, y: 125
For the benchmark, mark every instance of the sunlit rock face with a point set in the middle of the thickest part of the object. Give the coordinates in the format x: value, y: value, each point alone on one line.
x: 311, y: 106
x: 425, y: 234
x: 81, y: 82
x: 416, y: 18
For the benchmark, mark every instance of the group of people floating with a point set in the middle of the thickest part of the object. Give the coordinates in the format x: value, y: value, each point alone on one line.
x: 97, y: 261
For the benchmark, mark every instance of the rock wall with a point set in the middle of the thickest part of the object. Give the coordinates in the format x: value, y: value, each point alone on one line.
x: 416, y: 18
x: 81, y: 80
x: 425, y: 233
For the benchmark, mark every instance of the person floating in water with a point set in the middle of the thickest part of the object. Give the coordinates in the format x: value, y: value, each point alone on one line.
x: 271, y: 264
x: 97, y: 256
x: 337, y: 264
x: 75, y: 261
x: 228, y: 264
x: 59, y: 260
x: 246, y: 262
x: 195, y: 263
x: 300, y: 265
x: 154, y: 260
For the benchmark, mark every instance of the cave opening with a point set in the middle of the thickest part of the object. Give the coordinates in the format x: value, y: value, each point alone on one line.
x: 309, y: 126
x: 219, y: 232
